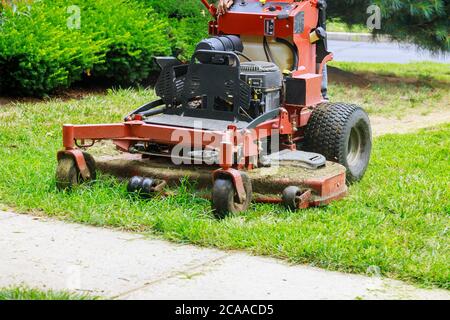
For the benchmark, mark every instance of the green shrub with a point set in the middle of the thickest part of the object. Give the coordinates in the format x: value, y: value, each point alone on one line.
x: 188, y: 23
x: 176, y: 8
x: 38, y: 53
x: 116, y: 40
x: 186, y: 33
x: 135, y: 33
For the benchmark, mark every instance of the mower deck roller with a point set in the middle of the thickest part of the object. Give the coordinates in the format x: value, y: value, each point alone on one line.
x: 245, y: 117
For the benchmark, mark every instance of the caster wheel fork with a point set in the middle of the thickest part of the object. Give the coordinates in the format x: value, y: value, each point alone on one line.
x: 225, y: 197
x: 68, y: 173
x: 295, y: 198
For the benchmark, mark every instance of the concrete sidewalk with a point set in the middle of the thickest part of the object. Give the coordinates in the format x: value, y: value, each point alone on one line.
x: 46, y: 254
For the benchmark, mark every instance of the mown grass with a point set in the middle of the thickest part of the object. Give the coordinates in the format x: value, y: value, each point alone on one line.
x: 338, y: 26
x: 429, y: 72
x: 395, y: 221
x: 393, y: 90
x: 23, y: 293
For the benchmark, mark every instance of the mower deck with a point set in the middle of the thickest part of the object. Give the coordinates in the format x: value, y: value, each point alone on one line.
x: 326, y: 183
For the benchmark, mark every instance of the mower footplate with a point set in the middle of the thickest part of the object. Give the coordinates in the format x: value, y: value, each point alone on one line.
x: 297, y: 158
x: 326, y: 183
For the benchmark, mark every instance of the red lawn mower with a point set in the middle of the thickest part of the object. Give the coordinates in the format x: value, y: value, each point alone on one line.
x: 250, y: 99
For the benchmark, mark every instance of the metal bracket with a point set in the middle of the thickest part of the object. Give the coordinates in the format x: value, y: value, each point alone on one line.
x: 159, y: 187
x: 304, y: 199
x: 236, y: 177
x: 210, y: 7
x: 80, y: 161
x: 144, y: 108
x: 263, y: 118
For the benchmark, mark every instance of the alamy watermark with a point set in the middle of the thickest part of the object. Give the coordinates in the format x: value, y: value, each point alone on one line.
x: 74, y: 14
x: 374, y: 20
x: 74, y: 19
x: 73, y: 277
x: 206, y: 147
x: 73, y: 11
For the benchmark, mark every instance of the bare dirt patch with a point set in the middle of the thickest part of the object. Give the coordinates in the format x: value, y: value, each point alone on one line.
x: 4, y: 101
x: 366, y: 79
x: 63, y: 95
x: 410, y: 123
x: 337, y: 75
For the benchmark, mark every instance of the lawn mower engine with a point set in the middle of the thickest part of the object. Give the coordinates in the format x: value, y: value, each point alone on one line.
x: 259, y: 84
x: 249, y: 107
x: 265, y: 81
x: 264, y: 78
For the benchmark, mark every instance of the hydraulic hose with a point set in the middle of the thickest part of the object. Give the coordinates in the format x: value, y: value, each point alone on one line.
x: 267, y: 50
x: 293, y: 48
x: 243, y: 55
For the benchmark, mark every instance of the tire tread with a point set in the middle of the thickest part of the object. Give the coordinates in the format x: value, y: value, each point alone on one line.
x: 325, y: 132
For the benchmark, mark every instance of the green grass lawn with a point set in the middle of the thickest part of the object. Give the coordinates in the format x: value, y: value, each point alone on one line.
x: 339, y: 26
x: 396, y: 220
x: 22, y: 293
x: 429, y: 73
x: 391, y: 89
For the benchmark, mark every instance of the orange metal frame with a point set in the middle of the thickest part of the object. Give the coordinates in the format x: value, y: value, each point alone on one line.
x: 288, y: 124
x: 124, y: 135
x: 253, y: 24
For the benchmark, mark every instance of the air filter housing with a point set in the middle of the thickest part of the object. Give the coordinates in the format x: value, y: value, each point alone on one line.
x: 222, y: 43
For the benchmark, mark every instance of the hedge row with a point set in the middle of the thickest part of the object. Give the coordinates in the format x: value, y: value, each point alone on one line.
x: 177, y: 9
x: 44, y: 46
x: 188, y: 21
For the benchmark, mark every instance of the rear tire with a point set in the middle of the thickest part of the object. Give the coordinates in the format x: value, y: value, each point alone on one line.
x: 342, y: 133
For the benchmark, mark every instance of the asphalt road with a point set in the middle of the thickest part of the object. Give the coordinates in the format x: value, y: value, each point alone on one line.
x: 381, y: 52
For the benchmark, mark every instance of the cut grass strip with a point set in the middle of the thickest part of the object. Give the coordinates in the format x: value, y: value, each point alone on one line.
x: 420, y: 71
x: 23, y: 293
x: 336, y: 25
x: 391, y: 89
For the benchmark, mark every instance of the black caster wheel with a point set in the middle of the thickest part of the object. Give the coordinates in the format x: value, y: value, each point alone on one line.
x: 147, y: 190
x: 291, y: 197
x: 68, y: 175
x: 134, y: 184
x: 144, y: 187
x: 225, y: 200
